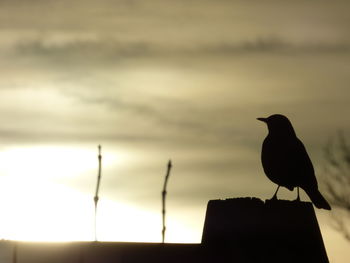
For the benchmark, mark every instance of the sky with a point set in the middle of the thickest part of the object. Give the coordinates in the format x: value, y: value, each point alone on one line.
x: 152, y: 81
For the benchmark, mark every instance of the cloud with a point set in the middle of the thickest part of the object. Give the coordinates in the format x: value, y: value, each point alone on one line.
x: 276, y: 45
x: 110, y: 50
x: 195, y: 105
x: 80, y: 53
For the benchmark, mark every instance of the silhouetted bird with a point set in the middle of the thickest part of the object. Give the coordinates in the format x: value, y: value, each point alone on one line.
x: 286, y: 162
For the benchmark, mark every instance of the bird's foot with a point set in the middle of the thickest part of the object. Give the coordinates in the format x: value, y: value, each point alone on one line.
x: 274, y: 198
x: 297, y: 199
x: 298, y: 196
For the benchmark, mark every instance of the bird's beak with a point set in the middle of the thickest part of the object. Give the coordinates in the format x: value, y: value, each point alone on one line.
x: 262, y: 119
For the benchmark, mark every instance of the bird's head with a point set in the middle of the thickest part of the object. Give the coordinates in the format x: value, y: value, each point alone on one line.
x: 278, y: 125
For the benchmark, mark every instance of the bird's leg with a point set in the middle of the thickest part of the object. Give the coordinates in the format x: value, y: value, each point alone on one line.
x: 275, y: 194
x: 298, y: 197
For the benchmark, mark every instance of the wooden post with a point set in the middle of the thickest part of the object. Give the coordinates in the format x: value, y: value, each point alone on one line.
x: 250, y: 230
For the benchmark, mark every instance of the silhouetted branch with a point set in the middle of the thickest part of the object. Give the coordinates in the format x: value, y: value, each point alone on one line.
x: 96, y: 198
x: 337, y: 182
x: 164, y: 192
x: 340, y: 225
x: 14, y: 252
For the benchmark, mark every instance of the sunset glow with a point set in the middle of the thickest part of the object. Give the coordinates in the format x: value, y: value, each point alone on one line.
x: 37, y: 207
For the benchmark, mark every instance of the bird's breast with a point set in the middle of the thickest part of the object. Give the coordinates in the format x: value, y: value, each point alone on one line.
x: 277, y: 162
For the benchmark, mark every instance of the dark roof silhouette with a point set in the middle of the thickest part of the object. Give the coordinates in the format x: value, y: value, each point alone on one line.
x: 286, y: 162
x: 242, y: 230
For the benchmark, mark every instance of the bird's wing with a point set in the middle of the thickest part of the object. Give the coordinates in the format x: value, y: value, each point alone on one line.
x: 301, y: 165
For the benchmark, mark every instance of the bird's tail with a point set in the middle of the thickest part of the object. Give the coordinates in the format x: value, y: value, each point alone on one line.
x: 317, y: 199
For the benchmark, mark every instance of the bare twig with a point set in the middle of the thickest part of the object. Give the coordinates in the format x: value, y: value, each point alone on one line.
x: 337, y: 182
x: 15, y: 252
x: 164, y: 192
x: 96, y: 198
